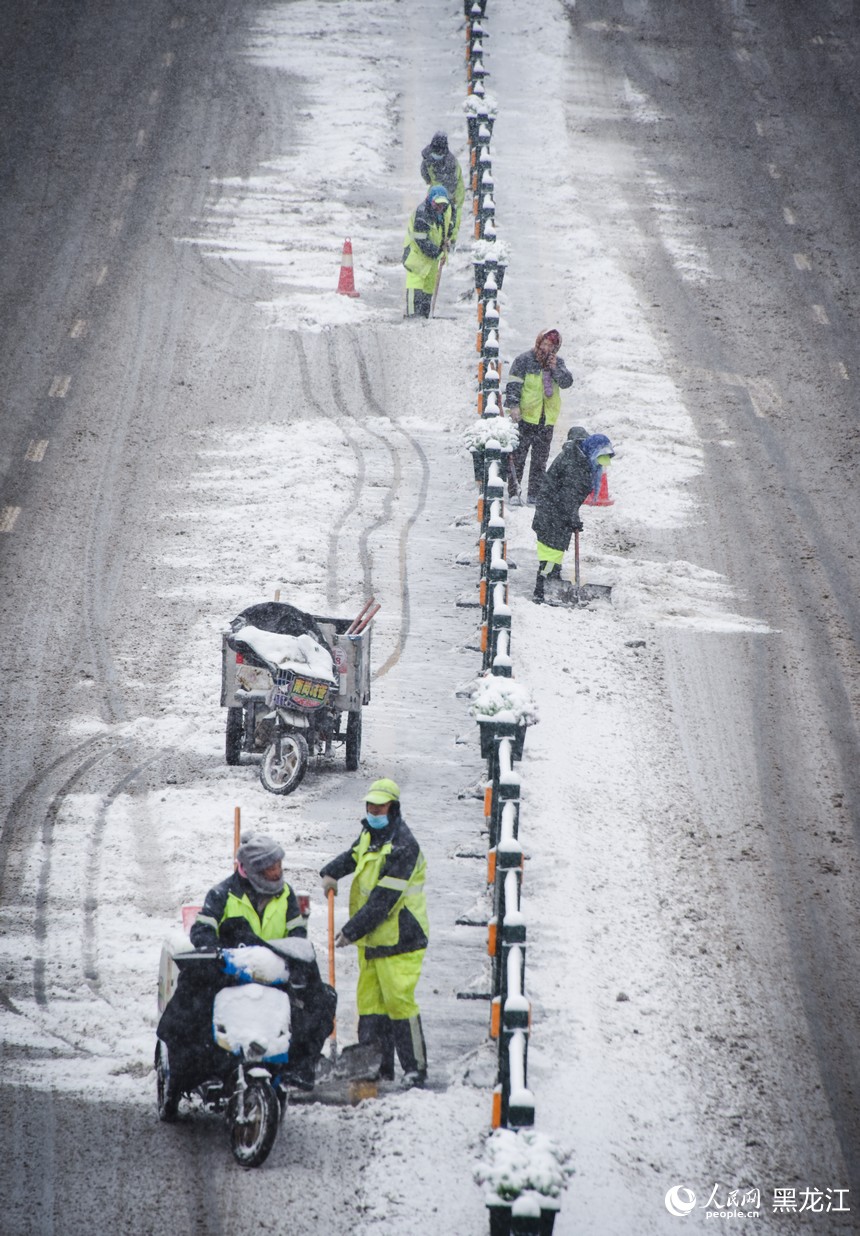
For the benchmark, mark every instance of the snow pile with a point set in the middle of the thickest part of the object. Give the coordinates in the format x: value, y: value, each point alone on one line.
x: 516, y: 1163
x: 480, y: 105
x: 301, y: 653
x: 253, y: 1017
x: 496, y: 431
x: 255, y: 964
x: 503, y: 700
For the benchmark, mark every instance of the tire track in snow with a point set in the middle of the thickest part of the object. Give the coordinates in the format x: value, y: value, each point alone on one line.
x: 405, y: 611
x: 335, y: 532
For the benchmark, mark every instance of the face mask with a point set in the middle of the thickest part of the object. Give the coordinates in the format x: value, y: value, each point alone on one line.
x: 376, y: 821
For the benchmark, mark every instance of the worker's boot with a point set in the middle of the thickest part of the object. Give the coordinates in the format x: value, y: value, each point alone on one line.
x: 555, y: 573
x: 538, y: 595
x: 375, y: 1028
x: 411, y: 1051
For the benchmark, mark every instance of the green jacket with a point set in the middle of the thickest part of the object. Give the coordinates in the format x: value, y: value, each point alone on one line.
x: 230, y: 915
x: 525, y: 390
x: 387, y: 902
x: 422, y: 248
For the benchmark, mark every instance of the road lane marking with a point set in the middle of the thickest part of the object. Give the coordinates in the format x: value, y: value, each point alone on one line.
x: 154, y: 96
x: 129, y: 181
x: 116, y: 225
x: 36, y: 450
x: 789, y: 216
x: 59, y: 388
x: 759, y: 128
x: 841, y: 370
x: 140, y: 140
x: 8, y: 516
x: 820, y: 315
x: 762, y: 392
x: 742, y: 54
x: 764, y: 397
x: 102, y: 275
x: 167, y: 59
x: 802, y: 262
x: 79, y: 328
x: 774, y: 172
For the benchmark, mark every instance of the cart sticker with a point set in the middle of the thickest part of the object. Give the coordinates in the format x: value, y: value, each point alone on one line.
x: 309, y: 692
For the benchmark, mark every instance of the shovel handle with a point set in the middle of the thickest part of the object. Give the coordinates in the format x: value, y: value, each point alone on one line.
x: 330, y: 896
x: 576, y: 557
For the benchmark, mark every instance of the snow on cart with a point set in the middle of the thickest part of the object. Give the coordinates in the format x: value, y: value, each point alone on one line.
x: 294, y: 684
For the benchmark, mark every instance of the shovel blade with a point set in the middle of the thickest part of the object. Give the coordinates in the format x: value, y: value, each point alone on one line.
x: 563, y: 592
x: 357, y: 1062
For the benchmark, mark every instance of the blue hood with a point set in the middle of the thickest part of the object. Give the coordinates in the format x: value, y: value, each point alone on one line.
x: 592, y: 446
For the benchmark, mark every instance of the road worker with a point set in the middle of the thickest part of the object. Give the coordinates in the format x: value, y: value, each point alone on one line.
x: 388, y: 924
x: 425, y: 249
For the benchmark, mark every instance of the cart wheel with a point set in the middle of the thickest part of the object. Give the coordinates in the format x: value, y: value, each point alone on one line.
x: 353, y: 741
x: 235, y: 725
x: 281, y: 776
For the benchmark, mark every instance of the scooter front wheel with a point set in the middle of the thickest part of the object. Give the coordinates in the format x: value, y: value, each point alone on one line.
x: 253, y: 1120
x: 281, y: 772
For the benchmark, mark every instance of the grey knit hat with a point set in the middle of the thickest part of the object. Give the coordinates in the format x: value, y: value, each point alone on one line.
x: 255, y: 854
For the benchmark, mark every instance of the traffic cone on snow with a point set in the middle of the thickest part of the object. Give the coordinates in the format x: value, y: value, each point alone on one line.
x: 603, y: 498
x: 346, y: 283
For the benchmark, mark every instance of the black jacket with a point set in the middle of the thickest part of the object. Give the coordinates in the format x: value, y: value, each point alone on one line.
x: 567, y: 484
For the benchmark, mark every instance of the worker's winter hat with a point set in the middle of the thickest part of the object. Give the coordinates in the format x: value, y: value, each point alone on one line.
x: 439, y: 145
x: 383, y: 791
x: 438, y: 194
x: 548, y: 339
x: 576, y: 433
x: 596, y: 446
x: 255, y: 854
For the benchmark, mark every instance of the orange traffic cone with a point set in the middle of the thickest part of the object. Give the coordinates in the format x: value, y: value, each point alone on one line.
x: 603, y: 498
x: 346, y: 283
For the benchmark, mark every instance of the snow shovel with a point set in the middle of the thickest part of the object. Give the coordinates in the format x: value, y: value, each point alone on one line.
x: 578, y: 593
x: 357, y: 1062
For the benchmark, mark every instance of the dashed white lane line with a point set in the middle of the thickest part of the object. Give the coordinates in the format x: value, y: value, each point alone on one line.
x: 116, y: 225
x: 59, y: 388
x: 140, y: 140
x: 129, y: 181
x: 820, y: 315
x: 802, y: 262
x: 764, y: 397
x: 774, y: 172
x: 102, y: 275
x: 841, y: 370
x: 8, y: 516
x: 167, y: 60
x: 154, y: 96
x: 79, y: 328
x: 36, y: 450
x: 789, y: 216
